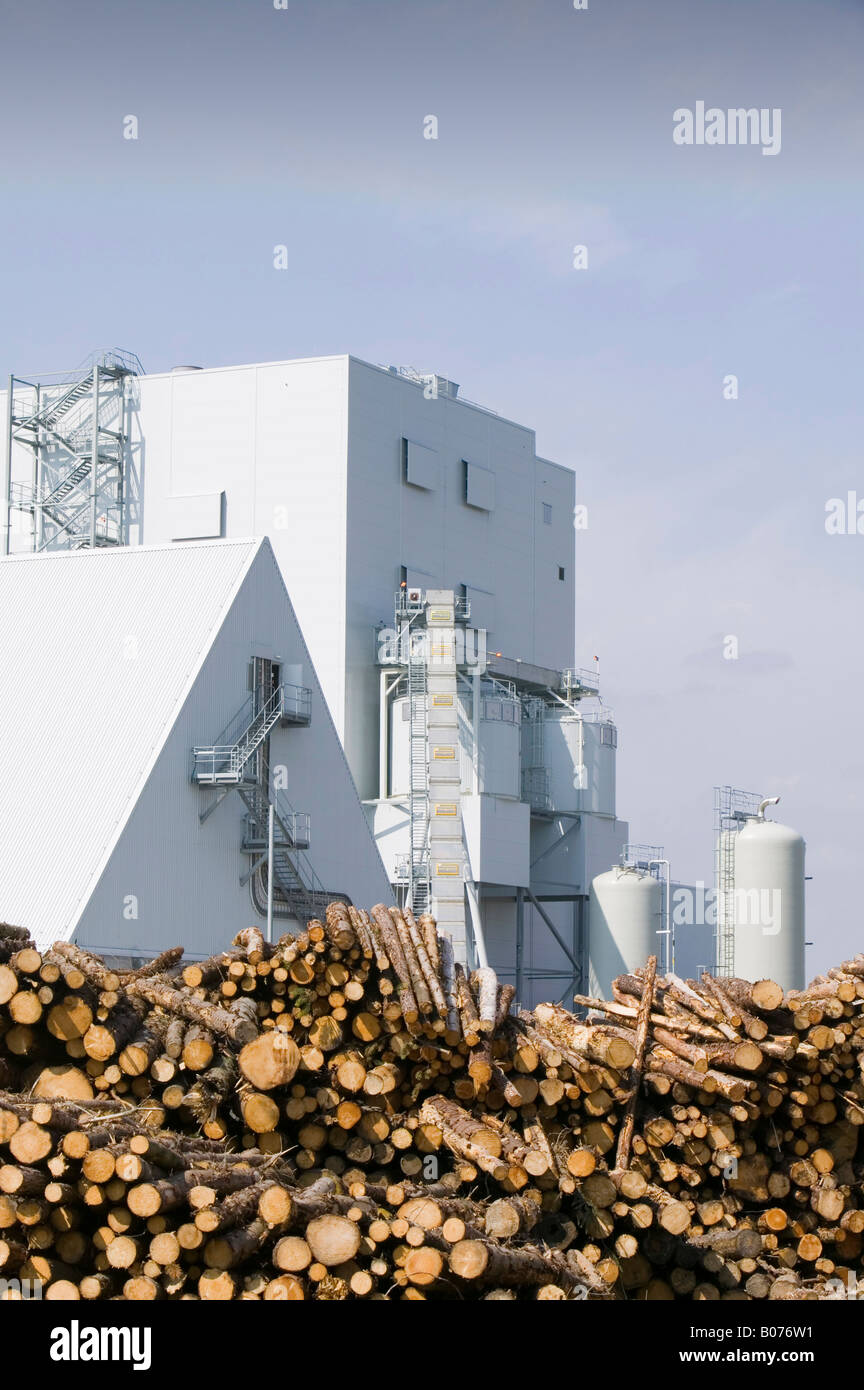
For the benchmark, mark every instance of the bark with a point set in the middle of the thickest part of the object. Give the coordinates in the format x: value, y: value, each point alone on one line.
x: 236, y: 1029
x: 625, y: 1135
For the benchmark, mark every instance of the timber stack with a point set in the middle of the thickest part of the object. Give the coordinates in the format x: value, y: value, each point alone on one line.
x: 349, y: 1114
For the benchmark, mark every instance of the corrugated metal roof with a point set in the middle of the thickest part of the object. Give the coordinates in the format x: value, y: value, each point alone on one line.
x: 98, y: 650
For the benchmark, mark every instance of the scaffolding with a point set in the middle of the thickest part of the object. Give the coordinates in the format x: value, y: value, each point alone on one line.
x: 732, y: 807
x: 67, y: 456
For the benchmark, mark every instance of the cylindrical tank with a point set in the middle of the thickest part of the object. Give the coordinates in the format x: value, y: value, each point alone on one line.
x: 625, y: 913
x: 580, y: 754
x: 498, y: 745
x: 769, y: 903
x: 400, y: 747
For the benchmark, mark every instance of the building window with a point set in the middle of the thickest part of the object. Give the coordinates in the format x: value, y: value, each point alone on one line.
x: 561, y: 572
x: 547, y: 513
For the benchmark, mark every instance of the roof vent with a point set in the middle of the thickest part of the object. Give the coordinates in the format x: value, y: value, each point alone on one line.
x: 186, y: 368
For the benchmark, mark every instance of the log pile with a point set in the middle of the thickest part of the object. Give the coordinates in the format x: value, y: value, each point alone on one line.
x: 348, y: 1114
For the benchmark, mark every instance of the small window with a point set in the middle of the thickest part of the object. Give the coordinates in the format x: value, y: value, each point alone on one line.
x: 561, y: 572
x: 547, y: 513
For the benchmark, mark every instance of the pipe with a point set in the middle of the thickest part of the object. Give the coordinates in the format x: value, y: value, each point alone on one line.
x: 271, y: 815
x: 769, y: 801
x: 475, y: 729
x: 7, y: 474
x: 477, y: 924
x: 667, y: 931
x: 383, y: 734
x: 520, y: 943
x: 94, y: 457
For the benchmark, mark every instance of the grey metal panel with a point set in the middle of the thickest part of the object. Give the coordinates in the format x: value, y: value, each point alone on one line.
x: 479, y: 487
x: 421, y: 466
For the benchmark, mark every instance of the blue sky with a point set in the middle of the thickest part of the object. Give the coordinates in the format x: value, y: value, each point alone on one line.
x: 304, y: 126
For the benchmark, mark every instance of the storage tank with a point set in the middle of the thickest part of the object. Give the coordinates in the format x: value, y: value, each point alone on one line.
x: 400, y: 746
x: 498, y: 744
x: 769, y: 903
x: 580, y: 753
x: 625, y: 913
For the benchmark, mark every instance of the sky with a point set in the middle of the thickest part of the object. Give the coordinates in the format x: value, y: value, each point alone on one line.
x: 303, y: 126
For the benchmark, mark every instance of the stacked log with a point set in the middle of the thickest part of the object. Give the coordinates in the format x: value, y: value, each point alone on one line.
x: 348, y: 1113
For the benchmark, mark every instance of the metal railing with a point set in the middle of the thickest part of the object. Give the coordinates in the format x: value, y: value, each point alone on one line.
x: 293, y: 868
x: 292, y: 829
x: 580, y: 678
x: 224, y: 761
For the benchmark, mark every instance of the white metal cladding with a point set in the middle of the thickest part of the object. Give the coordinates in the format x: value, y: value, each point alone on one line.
x: 185, y: 876
x: 100, y: 648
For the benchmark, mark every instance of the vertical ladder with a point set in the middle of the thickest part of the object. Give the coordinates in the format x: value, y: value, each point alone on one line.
x: 726, y: 903
x: 418, y: 796
x: 732, y: 807
x: 447, y: 857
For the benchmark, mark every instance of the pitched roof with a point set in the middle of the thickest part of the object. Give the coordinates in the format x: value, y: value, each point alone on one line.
x: 99, y: 650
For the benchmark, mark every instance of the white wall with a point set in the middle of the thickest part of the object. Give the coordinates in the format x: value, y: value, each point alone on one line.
x: 273, y: 438
x: 185, y: 875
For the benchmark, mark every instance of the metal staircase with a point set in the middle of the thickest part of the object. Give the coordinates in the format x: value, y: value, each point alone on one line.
x: 297, y: 887
x: 419, y: 885
x: 225, y: 763
x: 68, y: 453
x: 239, y: 760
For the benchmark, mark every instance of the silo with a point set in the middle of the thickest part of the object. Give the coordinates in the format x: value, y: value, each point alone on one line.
x: 769, y: 903
x: 580, y: 755
x: 400, y: 746
x: 625, y: 913
x: 498, y: 744
x: 599, y: 753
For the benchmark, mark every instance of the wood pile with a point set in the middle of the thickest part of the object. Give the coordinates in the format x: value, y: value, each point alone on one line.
x: 347, y: 1114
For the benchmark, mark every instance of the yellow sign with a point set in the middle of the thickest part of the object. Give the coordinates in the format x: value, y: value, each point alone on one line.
x: 442, y: 700
x: 439, y: 615
x: 443, y: 753
x: 446, y: 808
x: 447, y: 870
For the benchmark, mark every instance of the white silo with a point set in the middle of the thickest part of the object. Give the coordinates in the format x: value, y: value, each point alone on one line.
x: 769, y: 902
x: 400, y: 746
x: 625, y: 914
x: 498, y: 743
x: 580, y: 755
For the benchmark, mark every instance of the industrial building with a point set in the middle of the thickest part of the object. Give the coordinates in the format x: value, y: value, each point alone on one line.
x: 429, y: 554
x: 145, y: 687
